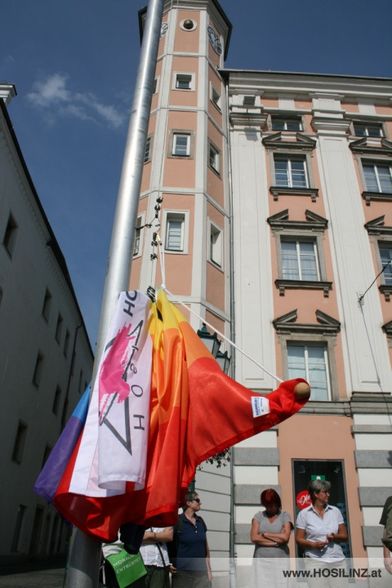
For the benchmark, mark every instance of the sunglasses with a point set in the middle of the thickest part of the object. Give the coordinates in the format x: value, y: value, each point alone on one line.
x: 197, y: 500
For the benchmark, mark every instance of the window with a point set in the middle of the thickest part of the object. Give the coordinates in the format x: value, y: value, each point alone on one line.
x: 46, y: 305
x: 80, y: 383
x: 18, y: 527
x: 59, y: 328
x: 174, y: 232
x: 385, y: 250
x: 20, y: 442
x: 138, y: 230
x: 56, y: 400
x: 66, y: 343
x: 215, y: 97
x: 155, y: 86
x: 37, y: 374
x: 249, y: 100
x: 46, y: 454
x: 299, y: 260
x: 215, y: 245
x: 378, y: 176
x: 184, y: 82
x: 368, y: 129
x: 310, y: 362
x: 9, y: 238
x: 181, y: 144
x: 147, y: 151
x: 281, y: 123
x: 213, y: 158
x: 291, y: 171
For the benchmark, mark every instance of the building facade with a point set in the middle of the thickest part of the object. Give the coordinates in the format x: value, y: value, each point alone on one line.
x: 274, y: 197
x: 45, y: 354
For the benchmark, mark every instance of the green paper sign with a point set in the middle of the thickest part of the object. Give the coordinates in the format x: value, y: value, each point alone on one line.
x: 128, y: 568
x: 317, y: 477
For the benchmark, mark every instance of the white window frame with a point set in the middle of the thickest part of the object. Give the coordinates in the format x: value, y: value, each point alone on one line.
x: 297, y: 240
x: 306, y: 345
x: 367, y: 124
x: 215, y: 251
x: 138, y: 240
x: 176, y: 77
x: 148, y: 149
x: 385, y: 244
x: 183, y: 215
x: 215, y: 163
x: 285, y: 119
x: 375, y: 164
x: 215, y: 96
x: 290, y: 159
x: 175, y: 136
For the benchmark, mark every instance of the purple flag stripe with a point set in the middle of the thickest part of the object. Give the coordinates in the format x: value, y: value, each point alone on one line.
x: 52, y: 472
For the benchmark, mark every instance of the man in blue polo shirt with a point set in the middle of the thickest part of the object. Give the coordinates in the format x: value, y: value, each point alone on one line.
x: 192, y: 556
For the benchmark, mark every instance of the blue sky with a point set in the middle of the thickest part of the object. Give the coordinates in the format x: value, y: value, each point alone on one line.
x: 74, y: 65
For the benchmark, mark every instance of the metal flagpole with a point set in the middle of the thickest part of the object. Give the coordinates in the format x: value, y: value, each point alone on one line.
x: 84, y: 554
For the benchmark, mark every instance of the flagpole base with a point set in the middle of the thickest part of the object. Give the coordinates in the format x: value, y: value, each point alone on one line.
x: 84, y: 561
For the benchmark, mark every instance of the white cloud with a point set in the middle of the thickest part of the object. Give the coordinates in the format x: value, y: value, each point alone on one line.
x: 53, y: 95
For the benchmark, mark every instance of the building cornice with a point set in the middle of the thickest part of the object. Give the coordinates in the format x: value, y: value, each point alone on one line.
x: 372, y: 146
x: 377, y: 226
x: 326, y: 325
x: 379, y: 89
x: 313, y: 222
x: 297, y: 141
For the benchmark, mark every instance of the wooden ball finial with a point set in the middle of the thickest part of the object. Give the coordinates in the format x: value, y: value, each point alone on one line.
x: 302, y: 391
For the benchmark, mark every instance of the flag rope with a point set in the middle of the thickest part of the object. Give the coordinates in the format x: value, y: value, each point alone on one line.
x: 229, y: 341
x: 203, y: 320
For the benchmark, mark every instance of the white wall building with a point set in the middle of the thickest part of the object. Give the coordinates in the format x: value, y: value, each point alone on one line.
x: 45, y: 354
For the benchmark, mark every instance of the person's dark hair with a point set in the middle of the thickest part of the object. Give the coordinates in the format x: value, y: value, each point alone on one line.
x: 315, y: 486
x: 270, y: 497
x: 189, y: 496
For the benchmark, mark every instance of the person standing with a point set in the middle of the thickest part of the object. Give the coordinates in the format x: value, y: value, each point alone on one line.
x: 155, y: 557
x: 320, y: 529
x: 191, y: 555
x: 270, y: 533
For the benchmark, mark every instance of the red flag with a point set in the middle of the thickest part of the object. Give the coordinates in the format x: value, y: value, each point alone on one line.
x: 196, y: 411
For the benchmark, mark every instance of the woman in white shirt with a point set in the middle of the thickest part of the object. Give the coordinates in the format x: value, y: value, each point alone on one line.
x: 320, y: 529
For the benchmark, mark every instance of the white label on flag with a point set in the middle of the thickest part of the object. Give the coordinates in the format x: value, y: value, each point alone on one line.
x: 260, y: 406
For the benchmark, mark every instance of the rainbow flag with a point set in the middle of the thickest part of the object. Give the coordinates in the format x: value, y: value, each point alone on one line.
x: 161, y: 405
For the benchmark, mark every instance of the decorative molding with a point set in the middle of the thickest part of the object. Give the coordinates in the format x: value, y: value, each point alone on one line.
x: 372, y: 146
x: 241, y: 116
x: 250, y: 494
x: 377, y: 226
x: 380, y: 196
x: 387, y: 291
x: 373, y: 496
x: 283, y: 284
x: 299, y: 142
x: 277, y: 191
x: 373, y: 458
x: 387, y: 327
x: 330, y: 124
x: 313, y: 222
x: 286, y: 323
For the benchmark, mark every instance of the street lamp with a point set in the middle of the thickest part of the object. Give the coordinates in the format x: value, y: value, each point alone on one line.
x: 212, y: 343
x: 223, y: 360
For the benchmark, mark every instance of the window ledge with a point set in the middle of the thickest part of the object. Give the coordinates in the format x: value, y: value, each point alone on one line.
x: 277, y: 191
x: 369, y: 196
x: 386, y: 290
x: 282, y: 284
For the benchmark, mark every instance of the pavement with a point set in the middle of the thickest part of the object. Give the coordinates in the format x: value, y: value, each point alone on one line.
x: 35, y: 579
